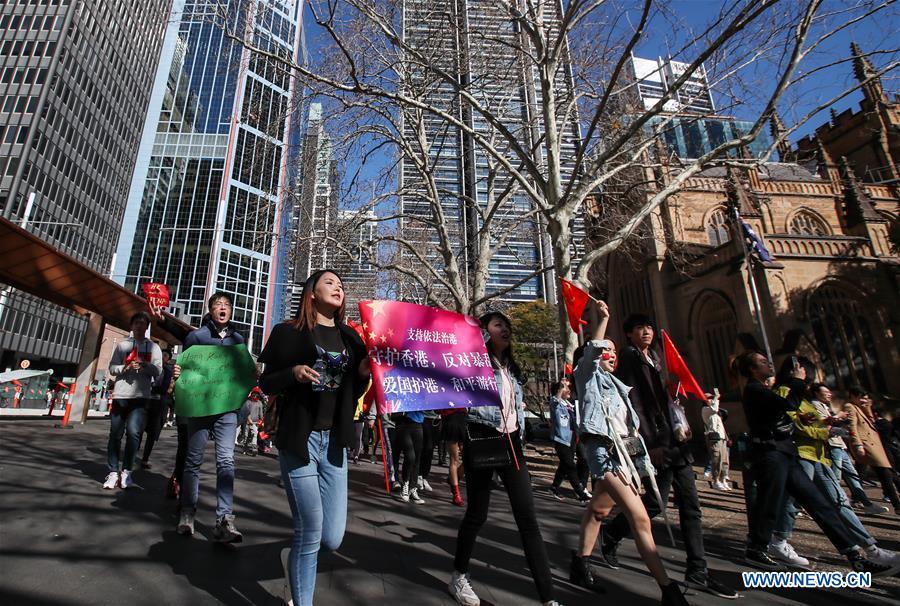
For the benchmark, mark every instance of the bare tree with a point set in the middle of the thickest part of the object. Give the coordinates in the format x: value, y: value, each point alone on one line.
x: 581, y: 129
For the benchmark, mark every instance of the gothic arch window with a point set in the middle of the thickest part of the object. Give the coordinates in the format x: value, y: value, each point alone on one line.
x: 716, y: 328
x: 717, y: 227
x: 844, y: 339
x: 807, y: 223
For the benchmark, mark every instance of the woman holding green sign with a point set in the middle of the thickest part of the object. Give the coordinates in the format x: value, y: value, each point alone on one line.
x: 317, y: 367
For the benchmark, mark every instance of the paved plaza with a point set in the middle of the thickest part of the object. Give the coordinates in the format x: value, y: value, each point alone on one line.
x: 65, y: 541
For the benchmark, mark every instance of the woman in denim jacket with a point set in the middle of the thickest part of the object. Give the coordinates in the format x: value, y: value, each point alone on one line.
x: 564, y: 428
x: 507, y: 421
x: 606, y: 418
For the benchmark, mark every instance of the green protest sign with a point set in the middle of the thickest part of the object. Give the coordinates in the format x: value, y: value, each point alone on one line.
x: 214, y: 379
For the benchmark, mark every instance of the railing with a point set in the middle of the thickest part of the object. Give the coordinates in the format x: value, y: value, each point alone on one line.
x: 818, y: 246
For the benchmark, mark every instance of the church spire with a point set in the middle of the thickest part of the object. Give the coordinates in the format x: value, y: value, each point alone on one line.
x: 865, y: 73
x: 779, y: 134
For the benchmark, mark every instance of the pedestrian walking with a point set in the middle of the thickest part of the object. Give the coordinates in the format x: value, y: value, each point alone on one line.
x: 866, y: 444
x: 717, y: 442
x: 217, y: 330
x: 317, y: 367
x: 639, y: 367
x: 609, y: 427
x: 491, y: 429
x: 157, y: 408
x: 135, y: 363
x: 453, y: 434
x: 565, y: 440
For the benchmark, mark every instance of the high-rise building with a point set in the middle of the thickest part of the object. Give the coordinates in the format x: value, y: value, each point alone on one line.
x: 75, y: 82
x: 323, y: 236
x: 479, y: 47
x: 656, y: 77
x: 688, y: 122
x: 206, y: 201
x: 359, y: 274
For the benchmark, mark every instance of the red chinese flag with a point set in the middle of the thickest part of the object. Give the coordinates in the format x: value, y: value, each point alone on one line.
x: 687, y: 384
x: 157, y: 295
x: 359, y: 329
x: 576, y: 300
x: 568, y: 370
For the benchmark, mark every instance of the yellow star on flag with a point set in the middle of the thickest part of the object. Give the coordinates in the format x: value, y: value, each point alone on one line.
x: 377, y: 307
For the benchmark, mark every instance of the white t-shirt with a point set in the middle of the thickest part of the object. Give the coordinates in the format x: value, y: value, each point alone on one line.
x: 508, y: 417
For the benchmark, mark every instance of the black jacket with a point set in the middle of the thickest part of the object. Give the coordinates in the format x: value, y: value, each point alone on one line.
x: 288, y: 347
x: 767, y: 418
x: 651, y: 402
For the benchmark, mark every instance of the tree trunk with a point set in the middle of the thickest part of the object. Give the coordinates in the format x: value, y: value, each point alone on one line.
x: 560, y: 237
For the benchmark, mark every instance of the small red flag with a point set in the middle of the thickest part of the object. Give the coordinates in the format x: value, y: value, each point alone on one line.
x: 687, y: 384
x: 359, y: 329
x: 568, y: 370
x: 576, y: 300
x: 157, y: 295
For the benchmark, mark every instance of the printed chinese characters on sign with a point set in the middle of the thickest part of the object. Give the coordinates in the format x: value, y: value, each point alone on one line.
x: 425, y: 358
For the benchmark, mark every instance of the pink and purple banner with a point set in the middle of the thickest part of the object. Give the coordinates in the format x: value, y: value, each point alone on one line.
x: 425, y: 358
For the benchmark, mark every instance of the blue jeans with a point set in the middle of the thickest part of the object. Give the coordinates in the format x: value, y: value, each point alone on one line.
x: 843, y: 468
x: 126, y: 415
x: 223, y: 428
x: 826, y: 481
x: 317, y: 494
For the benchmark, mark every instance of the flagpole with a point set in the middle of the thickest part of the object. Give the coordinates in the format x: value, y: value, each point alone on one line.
x: 753, y: 291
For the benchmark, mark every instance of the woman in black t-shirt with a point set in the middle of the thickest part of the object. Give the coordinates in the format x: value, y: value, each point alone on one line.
x: 317, y: 366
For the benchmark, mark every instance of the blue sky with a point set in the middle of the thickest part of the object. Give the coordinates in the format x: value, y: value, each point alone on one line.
x: 874, y: 33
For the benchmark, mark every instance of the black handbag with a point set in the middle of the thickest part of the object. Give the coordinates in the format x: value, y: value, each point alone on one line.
x: 634, y: 446
x: 487, y: 452
x: 272, y: 415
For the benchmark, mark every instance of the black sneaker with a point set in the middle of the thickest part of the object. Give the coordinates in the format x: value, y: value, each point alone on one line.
x: 861, y: 564
x: 760, y: 558
x: 555, y: 492
x: 703, y: 582
x: 608, y: 551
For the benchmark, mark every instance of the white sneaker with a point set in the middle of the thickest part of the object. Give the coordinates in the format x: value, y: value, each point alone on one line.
x: 404, y: 492
x: 784, y: 552
x: 126, y: 481
x: 112, y: 480
x: 720, y: 486
x: 462, y: 591
x: 707, y: 475
x: 414, y: 496
x: 419, y: 484
x: 885, y: 557
x: 396, y: 485
x: 426, y: 486
x: 875, y: 509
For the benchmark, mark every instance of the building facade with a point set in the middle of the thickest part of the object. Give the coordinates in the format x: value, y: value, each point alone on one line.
x: 206, y: 203
x: 75, y: 83
x: 323, y: 235
x: 479, y: 47
x: 832, y: 290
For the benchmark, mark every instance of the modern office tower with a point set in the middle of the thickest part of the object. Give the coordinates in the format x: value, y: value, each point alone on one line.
x: 75, y: 82
x: 359, y: 274
x: 205, y: 207
x: 656, y: 77
x: 314, y: 205
x: 688, y: 123
x: 473, y: 48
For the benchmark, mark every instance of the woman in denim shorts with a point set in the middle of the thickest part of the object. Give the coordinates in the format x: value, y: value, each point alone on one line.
x: 606, y: 420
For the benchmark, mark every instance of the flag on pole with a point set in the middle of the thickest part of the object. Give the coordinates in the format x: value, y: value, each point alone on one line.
x: 576, y: 300
x: 756, y: 245
x: 687, y: 384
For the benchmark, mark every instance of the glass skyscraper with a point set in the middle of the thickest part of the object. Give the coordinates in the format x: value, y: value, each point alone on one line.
x: 206, y: 205
x: 472, y: 47
x: 75, y: 82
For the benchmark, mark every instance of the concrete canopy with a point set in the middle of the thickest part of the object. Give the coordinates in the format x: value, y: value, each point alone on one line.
x: 36, y: 267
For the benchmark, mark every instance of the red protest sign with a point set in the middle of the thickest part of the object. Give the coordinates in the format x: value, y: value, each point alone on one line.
x: 157, y: 295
